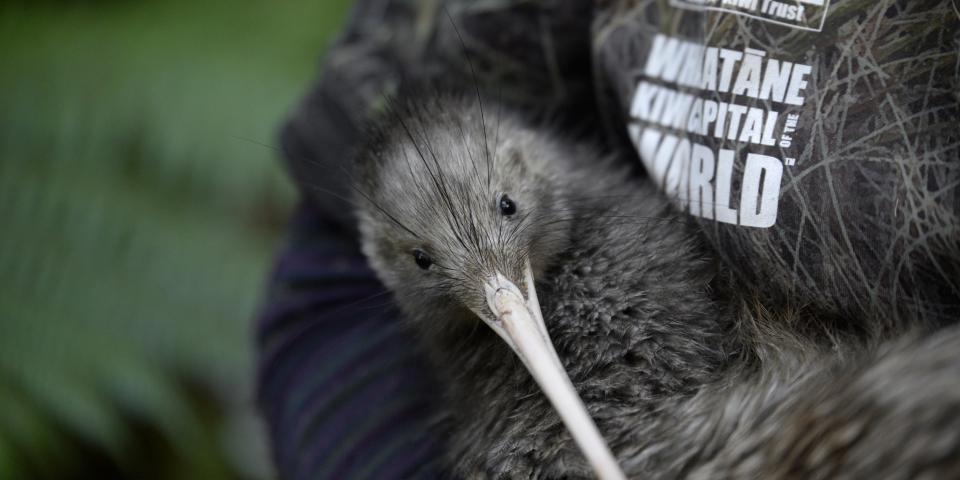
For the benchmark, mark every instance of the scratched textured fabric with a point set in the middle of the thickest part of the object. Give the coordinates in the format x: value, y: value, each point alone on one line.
x: 869, y: 220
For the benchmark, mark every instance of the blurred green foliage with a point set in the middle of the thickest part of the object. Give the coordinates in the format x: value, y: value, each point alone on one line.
x: 140, y: 203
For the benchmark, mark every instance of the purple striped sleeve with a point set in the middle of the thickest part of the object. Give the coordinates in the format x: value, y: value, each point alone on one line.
x: 341, y: 385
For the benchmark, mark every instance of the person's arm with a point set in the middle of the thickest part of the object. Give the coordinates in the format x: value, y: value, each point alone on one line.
x: 341, y: 386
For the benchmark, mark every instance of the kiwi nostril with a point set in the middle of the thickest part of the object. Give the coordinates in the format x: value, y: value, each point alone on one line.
x: 507, y: 205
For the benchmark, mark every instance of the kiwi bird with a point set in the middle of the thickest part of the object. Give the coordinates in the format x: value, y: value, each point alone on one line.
x: 577, y: 326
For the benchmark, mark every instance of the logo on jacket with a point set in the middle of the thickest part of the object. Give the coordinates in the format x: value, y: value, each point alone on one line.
x: 801, y: 14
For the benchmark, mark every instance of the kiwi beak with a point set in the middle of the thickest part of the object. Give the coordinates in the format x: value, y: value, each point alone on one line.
x: 519, y: 322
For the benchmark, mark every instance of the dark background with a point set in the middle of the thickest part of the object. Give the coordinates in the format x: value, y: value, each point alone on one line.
x: 141, y: 201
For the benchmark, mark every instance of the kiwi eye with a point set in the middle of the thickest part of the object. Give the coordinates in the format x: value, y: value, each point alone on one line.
x: 507, y: 206
x: 423, y: 260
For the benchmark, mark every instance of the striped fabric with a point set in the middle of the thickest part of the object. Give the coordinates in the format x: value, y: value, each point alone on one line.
x: 341, y: 386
